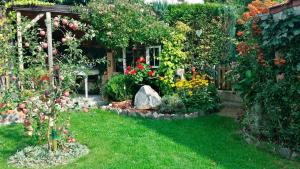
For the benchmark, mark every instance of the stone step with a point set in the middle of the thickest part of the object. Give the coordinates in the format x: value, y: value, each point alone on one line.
x: 231, y: 104
x: 231, y: 96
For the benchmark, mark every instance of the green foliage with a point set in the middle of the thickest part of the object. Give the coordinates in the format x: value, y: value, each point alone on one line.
x: 268, y: 78
x: 202, y: 99
x: 173, y: 56
x: 213, y: 27
x: 160, y: 7
x: 28, y: 3
x: 7, y: 35
x: 121, y: 22
x: 119, y: 88
x: 171, y: 104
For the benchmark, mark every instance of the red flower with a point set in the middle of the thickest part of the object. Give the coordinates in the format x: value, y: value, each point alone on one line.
x: 141, y: 67
x: 126, y: 72
x: 150, y: 66
x: 128, y: 67
x: 133, y: 72
x: 150, y: 73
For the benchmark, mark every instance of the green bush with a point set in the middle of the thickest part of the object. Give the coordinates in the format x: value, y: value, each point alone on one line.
x: 203, y: 99
x: 172, y: 104
x: 119, y: 88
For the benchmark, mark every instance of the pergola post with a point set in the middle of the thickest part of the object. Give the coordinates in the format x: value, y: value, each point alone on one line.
x: 49, y: 41
x: 124, y: 59
x: 86, y: 84
x: 20, y: 48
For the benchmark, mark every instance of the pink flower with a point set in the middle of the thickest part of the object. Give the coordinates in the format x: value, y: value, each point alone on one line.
x: 126, y: 72
x: 128, y: 67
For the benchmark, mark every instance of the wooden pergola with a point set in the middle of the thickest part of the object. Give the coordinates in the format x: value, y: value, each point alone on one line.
x: 35, y: 14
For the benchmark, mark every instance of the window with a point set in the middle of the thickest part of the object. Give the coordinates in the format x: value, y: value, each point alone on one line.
x: 152, y: 54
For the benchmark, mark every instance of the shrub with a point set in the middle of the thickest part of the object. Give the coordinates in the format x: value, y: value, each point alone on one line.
x: 119, y: 88
x: 171, y: 104
x: 173, y: 56
x: 198, y: 94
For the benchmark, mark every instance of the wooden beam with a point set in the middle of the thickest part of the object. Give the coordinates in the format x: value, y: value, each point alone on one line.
x: 20, y: 48
x: 63, y: 9
x: 49, y: 41
x: 32, y: 22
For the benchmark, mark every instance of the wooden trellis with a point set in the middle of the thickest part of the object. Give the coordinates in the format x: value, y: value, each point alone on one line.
x: 20, y: 32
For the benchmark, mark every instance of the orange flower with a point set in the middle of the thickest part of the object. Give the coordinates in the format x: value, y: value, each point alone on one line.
x: 257, y: 7
x: 240, y: 33
x: 246, y: 16
x: 256, y: 29
x: 242, y: 48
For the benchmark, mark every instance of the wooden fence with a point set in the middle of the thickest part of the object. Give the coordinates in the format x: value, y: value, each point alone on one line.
x: 222, y: 81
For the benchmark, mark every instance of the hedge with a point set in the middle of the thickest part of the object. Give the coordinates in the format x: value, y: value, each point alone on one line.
x: 215, y: 23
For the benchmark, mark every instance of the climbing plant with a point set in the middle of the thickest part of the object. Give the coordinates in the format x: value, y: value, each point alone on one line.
x: 43, y: 91
x: 267, y: 74
x: 213, y: 27
x: 120, y: 22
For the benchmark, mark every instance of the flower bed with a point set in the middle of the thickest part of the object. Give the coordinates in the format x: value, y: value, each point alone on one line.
x: 39, y: 156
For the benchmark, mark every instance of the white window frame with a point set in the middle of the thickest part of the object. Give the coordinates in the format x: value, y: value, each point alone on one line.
x: 155, y: 56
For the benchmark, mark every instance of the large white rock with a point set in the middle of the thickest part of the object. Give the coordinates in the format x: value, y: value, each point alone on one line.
x: 146, y: 98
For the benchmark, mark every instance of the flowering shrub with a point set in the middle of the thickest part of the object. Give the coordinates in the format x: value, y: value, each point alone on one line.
x: 198, y: 94
x: 267, y: 74
x: 142, y: 73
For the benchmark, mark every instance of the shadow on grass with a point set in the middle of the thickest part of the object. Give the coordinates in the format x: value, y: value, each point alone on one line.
x: 217, y: 139
x: 12, y: 139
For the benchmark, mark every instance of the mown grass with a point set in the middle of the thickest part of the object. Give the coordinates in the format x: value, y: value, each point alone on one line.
x: 123, y: 142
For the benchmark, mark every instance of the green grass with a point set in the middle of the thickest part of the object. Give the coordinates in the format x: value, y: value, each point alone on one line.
x: 124, y: 142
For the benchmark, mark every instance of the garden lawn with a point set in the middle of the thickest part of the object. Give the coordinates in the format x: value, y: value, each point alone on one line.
x: 125, y: 142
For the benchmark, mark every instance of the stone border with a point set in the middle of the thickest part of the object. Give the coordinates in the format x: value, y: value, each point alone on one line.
x: 150, y: 114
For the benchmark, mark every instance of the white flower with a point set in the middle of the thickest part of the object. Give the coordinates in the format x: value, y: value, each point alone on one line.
x: 109, y: 33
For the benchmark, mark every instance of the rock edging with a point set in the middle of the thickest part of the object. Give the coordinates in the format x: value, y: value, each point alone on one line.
x: 150, y: 114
